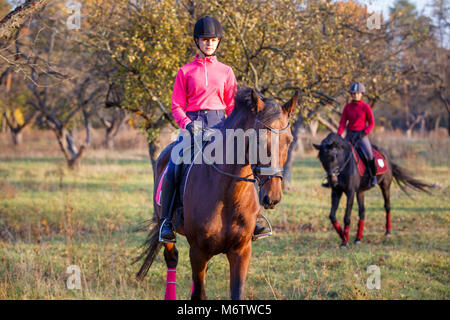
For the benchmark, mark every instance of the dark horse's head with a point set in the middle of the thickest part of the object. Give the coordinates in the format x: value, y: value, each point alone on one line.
x: 332, y: 152
x: 253, y: 111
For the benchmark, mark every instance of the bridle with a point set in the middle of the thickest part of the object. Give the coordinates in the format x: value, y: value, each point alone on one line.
x: 268, y: 172
x: 337, y: 170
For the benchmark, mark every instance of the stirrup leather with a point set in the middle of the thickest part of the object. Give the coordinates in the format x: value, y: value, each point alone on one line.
x: 263, y: 235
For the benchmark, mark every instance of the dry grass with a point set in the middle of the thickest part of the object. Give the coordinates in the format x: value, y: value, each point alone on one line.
x: 51, y: 218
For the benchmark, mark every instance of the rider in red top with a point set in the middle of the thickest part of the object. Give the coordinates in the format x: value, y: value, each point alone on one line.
x: 357, y: 118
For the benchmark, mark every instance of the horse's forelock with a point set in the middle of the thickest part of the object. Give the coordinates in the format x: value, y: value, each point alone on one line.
x: 334, y: 138
x: 331, y: 139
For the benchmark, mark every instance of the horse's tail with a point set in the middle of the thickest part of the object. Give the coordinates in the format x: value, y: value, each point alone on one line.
x: 151, y: 249
x: 405, y: 180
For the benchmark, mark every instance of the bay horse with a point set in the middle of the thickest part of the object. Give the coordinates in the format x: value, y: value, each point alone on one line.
x: 338, y: 159
x: 221, y: 202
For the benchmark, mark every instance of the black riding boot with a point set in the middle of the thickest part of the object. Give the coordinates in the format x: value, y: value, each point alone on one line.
x: 327, y: 184
x: 373, y: 172
x: 259, y: 229
x: 167, y: 232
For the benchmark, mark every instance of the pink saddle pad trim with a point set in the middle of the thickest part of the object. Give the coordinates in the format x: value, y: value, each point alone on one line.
x: 158, y: 191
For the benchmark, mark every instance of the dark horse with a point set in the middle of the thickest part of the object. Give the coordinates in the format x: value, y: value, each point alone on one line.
x: 221, y: 202
x: 337, y: 158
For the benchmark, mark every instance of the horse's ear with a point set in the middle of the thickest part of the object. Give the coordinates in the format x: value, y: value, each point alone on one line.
x: 258, y: 104
x: 317, y: 146
x: 289, y: 106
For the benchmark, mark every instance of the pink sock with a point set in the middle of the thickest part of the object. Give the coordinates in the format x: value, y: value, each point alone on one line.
x: 171, y: 284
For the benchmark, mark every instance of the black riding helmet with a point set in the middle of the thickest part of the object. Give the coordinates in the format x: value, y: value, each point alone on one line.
x: 208, y: 27
x: 357, y: 87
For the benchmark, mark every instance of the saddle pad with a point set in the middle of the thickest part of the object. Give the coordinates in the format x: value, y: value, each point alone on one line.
x: 185, y: 169
x: 158, y: 191
x: 380, y: 162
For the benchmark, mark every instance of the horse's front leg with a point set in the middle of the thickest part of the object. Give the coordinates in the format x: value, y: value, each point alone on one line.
x: 335, y: 198
x: 361, y: 212
x: 348, y: 213
x: 239, y: 260
x: 199, y: 262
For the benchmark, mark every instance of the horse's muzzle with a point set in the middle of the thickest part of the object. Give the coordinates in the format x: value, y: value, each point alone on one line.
x: 269, y: 203
x: 333, y: 181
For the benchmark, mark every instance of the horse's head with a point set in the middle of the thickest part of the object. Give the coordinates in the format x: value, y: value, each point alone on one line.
x: 332, y: 155
x: 274, y: 137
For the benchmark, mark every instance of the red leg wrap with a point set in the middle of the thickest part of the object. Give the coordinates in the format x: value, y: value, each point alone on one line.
x: 388, y: 221
x: 346, y: 233
x: 359, y: 235
x: 338, y: 229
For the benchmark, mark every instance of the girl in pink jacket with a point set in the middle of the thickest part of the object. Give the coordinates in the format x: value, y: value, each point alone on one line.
x: 204, y: 91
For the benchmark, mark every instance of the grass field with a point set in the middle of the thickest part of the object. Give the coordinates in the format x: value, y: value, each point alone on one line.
x: 51, y: 218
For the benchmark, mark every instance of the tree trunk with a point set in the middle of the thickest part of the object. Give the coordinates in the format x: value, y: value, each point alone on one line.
x: 422, y: 127
x: 313, y: 126
x: 411, y: 127
x: 75, y: 162
x: 437, y: 123
x: 109, y: 140
x: 68, y: 145
x: 448, y: 122
x: 17, y: 137
x: 153, y: 150
x: 4, y: 126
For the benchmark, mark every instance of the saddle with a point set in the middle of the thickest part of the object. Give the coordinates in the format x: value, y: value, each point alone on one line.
x: 181, y: 174
x: 360, y: 159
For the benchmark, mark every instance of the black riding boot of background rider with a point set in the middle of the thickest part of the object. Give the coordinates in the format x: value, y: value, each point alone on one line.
x: 373, y: 172
x: 167, y: 231
x: 326, y: 184
x: 259, y: 229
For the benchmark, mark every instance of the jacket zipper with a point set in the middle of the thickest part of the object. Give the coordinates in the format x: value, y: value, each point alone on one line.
x: 206, y: 74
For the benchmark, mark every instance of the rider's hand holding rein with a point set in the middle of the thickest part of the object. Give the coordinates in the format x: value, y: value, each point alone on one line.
x: 194, y: 129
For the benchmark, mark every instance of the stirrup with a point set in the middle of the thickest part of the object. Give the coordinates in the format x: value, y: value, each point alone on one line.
x: 165, y: 240
x: 263, y: 235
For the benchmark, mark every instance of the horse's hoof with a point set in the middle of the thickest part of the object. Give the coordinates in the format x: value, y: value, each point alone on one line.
x: 388, y: 234
x: 357, y: 241
x: 343, y: 245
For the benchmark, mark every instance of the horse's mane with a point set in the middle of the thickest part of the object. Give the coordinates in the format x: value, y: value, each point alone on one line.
x: 335, y: 139
x: 243, y: 107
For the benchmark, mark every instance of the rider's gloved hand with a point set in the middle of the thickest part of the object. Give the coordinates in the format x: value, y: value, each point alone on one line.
x: 193, y: 128
x: 357, y: 137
